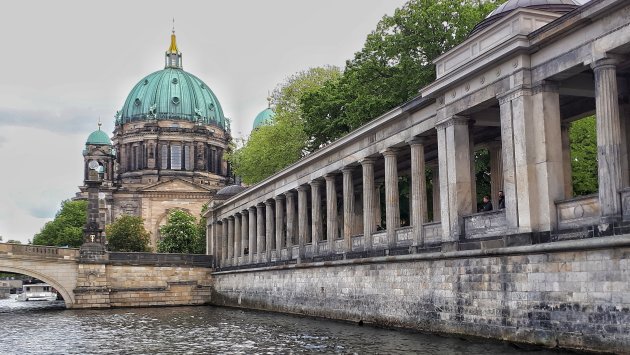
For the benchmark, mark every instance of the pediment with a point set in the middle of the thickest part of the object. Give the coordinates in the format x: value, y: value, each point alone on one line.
x: 175, y: 185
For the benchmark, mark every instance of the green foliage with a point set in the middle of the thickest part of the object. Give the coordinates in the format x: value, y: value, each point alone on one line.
x: 127, y: 234
x: 482, y: 175
x: 395, y: 62
x: 583, y: 136
x: 13, y: 241
x: 67, y: 227
x: 180, y: 234
x: 201, y: 231
x: 273, y: 147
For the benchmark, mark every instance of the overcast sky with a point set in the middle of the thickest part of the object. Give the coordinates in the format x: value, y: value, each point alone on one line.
x: 67, y: 63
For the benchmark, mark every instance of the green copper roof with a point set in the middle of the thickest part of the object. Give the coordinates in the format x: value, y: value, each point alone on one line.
x: 98, y: 138
x: 265, y: 117
x: 172, y: 94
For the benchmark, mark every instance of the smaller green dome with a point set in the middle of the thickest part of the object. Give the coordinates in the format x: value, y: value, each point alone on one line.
x: 264, y: 118
x: 98, y: 138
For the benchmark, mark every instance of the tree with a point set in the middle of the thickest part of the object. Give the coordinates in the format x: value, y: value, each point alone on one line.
x: 201, y: 231
x: 67, y: 227
x: 179, y: 234
x: 395, y: 62
x: 13, y: 241
x: 127, y: 234
x: 583, y: 136
x: 273, y: 147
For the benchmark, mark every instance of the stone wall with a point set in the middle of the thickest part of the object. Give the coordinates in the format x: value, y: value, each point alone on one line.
x: 573, y: 294
x: 104, y: 285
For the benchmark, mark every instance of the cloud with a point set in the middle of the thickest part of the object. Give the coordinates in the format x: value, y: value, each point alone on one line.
x: 65, y: 120
x: 2, y: 140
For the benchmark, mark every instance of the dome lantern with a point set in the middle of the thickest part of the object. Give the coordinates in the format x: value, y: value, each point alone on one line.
x: 173, y: 57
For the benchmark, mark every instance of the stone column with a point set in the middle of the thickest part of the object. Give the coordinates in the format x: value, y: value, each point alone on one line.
x: 291, y: 222
x: 224, y: 242
x: 348, y: 207
x: 608, y: 138
x: 244, y: 235
x: 435, y: 192
x: 252, y: 234
x: 316, y: 206
x: 516, y: 152
x: 303, y: 227
x: 367, y: 166
x: 331, y: 213
x: 392, y: 199
x: 418, y: 190
x: 496, y: 173
x: 279, y: 225
x: 455, y: 183
x: 269, y: 224
x: 473, y: 177
x: 237, y: 238
x: 566, y: 159
x: 230, y: 241
x: 260, y: 231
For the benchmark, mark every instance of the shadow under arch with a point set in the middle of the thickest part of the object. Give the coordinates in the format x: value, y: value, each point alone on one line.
x: 67, y: 296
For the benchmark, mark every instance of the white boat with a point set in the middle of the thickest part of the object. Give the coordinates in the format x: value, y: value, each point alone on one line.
x: 37, y: 292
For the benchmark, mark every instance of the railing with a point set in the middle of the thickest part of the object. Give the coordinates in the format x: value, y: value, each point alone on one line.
x: 485, y: 224
x: 404, y: 236
x: 432, y: 233
x: 161, y: 259
x: 578, y: 212
x: 36, y: 250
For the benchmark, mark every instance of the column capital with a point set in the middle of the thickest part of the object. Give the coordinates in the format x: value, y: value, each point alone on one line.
x: 252, y: 209
x: 390, y: 151
x: 269, y: 203
x: 545, y: 86
x: 237, y: 215
x: 302, y: 188
x: 610, y: 61
x: 514, y: 93
x: 454, y: 120
x: 367, y: 161
x: 347, y: 169
x: 230, y: 218
x: 244, y: 212
x: 417, y: 140
x: 289, y: 193
x: 330, y: 177
x: 279, y: 197
x: 260, y: 205
x: 316, y: 183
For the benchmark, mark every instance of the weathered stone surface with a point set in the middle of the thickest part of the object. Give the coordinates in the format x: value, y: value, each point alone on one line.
x: 570, y: 299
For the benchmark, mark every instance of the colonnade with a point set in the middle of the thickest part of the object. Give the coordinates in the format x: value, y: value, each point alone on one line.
x: 528, y: 161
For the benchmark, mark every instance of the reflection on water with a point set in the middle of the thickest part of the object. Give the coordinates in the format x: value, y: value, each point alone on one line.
x: 47, y: 328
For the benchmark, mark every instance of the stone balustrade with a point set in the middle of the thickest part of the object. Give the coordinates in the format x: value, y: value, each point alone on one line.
x: 577, y: 212
x: 36, y: 250
x: 485, y: 224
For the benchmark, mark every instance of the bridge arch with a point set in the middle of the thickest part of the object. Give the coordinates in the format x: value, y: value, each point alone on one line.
x: 68, y: 295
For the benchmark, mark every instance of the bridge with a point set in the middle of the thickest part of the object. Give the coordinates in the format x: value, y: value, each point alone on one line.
x: 118, y: 280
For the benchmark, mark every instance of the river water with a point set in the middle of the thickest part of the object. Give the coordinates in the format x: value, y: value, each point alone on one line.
x: 48, y: 328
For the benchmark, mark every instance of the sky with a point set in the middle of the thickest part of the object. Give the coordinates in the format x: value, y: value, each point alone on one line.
x: 67, y: 63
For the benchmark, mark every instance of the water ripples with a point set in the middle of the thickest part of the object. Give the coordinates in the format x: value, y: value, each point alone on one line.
x: 47, y: 328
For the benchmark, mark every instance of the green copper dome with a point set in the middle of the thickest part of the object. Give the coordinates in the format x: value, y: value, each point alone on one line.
x: 172, y: 94
x: 265, y: 117
x: 98, y: 138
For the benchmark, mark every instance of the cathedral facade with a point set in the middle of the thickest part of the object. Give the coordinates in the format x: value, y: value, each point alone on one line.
x: 167, y: 150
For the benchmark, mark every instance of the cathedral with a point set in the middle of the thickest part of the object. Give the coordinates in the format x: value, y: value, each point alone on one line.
x: 167, y: 150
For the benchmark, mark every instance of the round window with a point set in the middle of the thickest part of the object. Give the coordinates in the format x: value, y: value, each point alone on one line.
x: 137, y: 102
x: 174, y: 81
x: 175, y: 100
